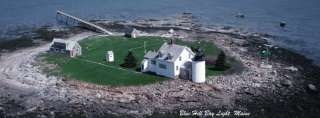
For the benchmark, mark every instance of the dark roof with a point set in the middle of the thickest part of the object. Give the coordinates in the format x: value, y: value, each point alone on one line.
x: 150, y: 55
x: 59, y: 45
x: 128, y: 30
x: 168, y: 52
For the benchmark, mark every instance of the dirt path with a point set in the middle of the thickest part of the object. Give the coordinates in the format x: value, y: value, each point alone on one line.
x: 23, y: 82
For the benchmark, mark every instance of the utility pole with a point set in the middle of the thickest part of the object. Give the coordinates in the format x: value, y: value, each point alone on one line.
x: 268, y: 51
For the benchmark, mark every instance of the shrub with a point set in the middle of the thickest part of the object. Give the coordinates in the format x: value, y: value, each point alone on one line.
x: 45, y: 34
x: 14, y: 44
x: 210, y: 60
x: 130, y: 61
x: 220, y: 63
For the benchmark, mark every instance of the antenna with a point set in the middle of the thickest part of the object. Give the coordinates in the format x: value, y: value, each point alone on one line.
x: 268, y: 51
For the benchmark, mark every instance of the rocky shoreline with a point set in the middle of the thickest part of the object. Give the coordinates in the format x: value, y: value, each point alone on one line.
x: 289, y: 89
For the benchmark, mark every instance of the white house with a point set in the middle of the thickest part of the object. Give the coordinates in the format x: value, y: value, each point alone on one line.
x: 132, y: 33
x: 110, y: 56
x: 72, y: 48
x: 170, y: 60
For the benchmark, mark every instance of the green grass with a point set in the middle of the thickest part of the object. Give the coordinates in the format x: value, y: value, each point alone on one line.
x: 209, y: 49
x: 94, y: 49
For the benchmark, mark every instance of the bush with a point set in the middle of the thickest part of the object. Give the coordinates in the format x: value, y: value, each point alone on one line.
x: 210, y: 60
x: 220, y: 63
x: 45, y: 34
x: 130, y: 61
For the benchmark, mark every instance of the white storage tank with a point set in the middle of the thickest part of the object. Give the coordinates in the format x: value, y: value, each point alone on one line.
x: 199, y: 67
x: 199, y: 71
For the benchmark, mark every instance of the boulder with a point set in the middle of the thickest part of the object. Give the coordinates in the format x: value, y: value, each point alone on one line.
x: 291, y: 68
x: 312, y: 87
x: 282, y: 24
x: 2, y: 113
x: 286, y: 83
x: 98, y: 95
x: 52, y: 113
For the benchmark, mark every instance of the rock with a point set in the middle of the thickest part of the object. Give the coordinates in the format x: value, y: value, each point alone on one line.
x: 42, y: 116
x: 256, y: 85
x: 291, y: 68
x: 286, y: 83
x: 1, y: 111
x: 283, y: 24
x: 98, y: 95
x: 287, y: 76
x: 312, y: 87
x: 157, y: 94
x: 249, y: 91
x: 52, y: 114
x: 240, y: 15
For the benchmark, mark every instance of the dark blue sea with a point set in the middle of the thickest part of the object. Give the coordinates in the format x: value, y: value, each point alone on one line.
x: 302, y: 32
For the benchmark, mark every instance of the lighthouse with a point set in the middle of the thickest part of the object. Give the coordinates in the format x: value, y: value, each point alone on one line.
x: 199, y: 67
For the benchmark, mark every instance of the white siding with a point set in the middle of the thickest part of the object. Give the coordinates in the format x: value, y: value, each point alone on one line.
x: 168, y: 71
x: 144, y: 65
x: 185, y: 57
x: 151, y: 67
x: 171, y: 70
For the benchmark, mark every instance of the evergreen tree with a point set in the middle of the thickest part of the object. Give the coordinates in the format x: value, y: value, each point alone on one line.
x: 130, y: 61
x: 221, y: 61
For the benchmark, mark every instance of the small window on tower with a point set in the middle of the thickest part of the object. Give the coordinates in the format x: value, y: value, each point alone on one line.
x: 180, y: 58
x: 177, y: 67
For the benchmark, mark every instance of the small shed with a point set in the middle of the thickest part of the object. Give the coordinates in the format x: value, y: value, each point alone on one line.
x: 131, y: 33
x: 110, y: 56
x: 171, y: 31
x: 71, y: 48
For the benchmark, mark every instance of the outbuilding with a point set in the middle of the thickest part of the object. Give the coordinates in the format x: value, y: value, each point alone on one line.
x: 110, y: 56
x: 131, y: 33
x: 71, y: 48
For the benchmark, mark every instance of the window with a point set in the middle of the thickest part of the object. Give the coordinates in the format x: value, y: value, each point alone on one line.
x: 163, y: 66
x: 153, y: 62
x: 177, y: 67
x: 180, y: 58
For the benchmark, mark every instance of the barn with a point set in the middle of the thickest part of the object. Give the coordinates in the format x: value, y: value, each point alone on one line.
x: 71, y: 48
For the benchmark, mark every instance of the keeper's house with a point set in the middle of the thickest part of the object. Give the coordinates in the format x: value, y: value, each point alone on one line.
x: 71, y: 48
x: 170, y: 60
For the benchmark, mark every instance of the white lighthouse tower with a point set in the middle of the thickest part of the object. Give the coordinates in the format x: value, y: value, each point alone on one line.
x: 199, y: 67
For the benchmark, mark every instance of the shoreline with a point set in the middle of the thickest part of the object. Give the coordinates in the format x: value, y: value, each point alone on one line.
x: 253, y: 88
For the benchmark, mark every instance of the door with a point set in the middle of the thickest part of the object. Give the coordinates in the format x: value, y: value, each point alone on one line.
x: 184, y: 74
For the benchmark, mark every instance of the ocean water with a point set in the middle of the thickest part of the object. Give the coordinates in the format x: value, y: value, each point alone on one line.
x: 301, y: 34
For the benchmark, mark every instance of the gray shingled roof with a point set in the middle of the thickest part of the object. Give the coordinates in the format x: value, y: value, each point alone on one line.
x: 150, y: 55
x: 168, y: 52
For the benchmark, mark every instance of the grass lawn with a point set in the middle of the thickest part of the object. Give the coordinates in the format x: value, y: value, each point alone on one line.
x: 101, y: 72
